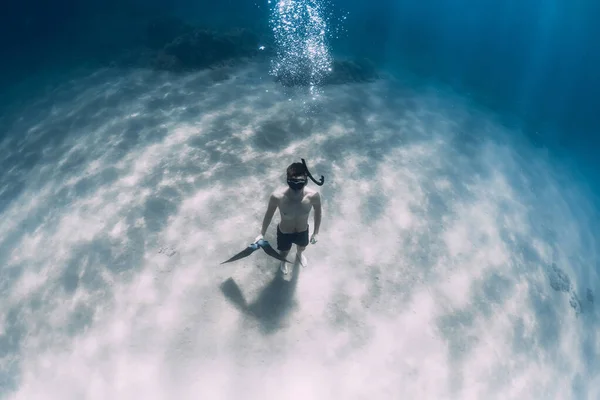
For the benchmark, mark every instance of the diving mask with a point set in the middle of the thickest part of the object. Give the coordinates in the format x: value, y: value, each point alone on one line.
x: 297, y: 183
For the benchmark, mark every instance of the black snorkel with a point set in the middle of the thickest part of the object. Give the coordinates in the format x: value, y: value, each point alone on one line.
x: 310, y: 176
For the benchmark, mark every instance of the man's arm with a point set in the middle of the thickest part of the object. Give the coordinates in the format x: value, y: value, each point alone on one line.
x: 316, y: 200
x: 273, y: 202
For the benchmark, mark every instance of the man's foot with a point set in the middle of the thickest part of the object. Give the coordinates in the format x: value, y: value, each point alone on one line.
x: 284, y: 267
x: 302, y: 260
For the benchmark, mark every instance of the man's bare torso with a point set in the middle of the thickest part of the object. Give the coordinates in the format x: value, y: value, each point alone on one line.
x: 294, y: 210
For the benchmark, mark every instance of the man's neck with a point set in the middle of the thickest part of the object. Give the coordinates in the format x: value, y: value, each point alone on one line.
x: 296, y: 194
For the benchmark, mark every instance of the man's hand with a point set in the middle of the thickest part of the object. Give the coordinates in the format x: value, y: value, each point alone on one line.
x: 313, y: 238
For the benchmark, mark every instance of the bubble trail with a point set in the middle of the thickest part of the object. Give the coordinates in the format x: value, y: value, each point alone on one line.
x: 302, y: 52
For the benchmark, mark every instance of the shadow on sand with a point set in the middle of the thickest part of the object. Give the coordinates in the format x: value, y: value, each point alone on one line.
x: 272, y: 305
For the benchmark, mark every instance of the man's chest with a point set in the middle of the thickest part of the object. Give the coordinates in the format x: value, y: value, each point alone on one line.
x: 295, y: 207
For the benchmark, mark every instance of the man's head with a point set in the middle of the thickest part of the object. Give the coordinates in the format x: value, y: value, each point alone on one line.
x: 296, y: 176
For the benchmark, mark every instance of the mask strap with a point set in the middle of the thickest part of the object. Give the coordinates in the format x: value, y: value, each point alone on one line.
x: 310, y: 176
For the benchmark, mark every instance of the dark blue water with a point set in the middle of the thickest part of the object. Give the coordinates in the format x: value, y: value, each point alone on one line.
x: 534, y: 61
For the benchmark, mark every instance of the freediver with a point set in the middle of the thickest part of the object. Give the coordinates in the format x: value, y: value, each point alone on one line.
x: 295, y: 203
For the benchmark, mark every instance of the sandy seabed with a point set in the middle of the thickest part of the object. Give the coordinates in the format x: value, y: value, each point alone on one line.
x: 455, y: 260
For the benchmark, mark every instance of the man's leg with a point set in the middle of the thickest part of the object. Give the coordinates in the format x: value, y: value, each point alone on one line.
x: 284, y: 267
x: 301, y: 246
x: 284, y: 244
x: 299, y: 257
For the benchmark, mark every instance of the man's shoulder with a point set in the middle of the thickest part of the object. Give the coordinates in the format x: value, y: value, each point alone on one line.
x: 278, y: 194
x: 312, y: 192
x: 314, y: 195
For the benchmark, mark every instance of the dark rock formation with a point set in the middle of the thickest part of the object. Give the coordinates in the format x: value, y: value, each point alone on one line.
x: 203, y: 48
x: 163, y: 31
x: 361, y: 70
x: 342, y: 71
x: 179, y: 46
x: 173, y: 45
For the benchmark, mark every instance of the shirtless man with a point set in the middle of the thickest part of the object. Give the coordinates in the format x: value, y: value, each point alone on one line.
x: 294, y: 203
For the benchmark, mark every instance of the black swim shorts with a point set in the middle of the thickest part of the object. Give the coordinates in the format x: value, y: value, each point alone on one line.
x: 285, y: 240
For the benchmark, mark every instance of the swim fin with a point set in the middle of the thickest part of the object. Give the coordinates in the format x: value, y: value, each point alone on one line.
x: 253, y: 247
x: 244, y: 253
x: 271, y: 251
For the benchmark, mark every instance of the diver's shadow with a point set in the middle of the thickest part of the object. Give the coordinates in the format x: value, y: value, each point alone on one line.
x: 272, y: 305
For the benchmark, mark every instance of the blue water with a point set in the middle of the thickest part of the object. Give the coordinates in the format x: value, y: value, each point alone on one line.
x: 459, y: 254
x: 534, y: 62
